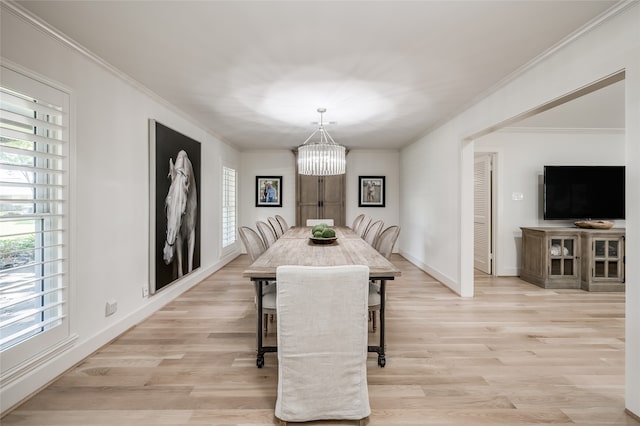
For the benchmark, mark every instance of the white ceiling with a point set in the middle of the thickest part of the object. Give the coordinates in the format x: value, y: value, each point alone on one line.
x: 254, y: 73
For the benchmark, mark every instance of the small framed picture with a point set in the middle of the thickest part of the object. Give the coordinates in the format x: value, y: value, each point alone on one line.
x: 268, y: 191
x: 371, y: 191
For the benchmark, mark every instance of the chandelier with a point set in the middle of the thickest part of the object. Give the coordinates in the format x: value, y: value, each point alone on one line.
x: 322, y: 157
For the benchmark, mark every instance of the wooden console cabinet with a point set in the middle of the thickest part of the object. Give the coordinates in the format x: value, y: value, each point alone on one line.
x: 550, y: 257
x: 591, y: 259
x: 602, y: 260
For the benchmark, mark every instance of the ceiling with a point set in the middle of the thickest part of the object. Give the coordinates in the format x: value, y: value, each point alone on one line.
x: 254, y: 73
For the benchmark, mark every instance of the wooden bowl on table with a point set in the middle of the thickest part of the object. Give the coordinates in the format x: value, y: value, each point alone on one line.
x: 594, y: 224
x: 321, y: 240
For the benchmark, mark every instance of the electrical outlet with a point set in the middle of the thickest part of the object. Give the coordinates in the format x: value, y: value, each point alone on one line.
x: 145, y: 291
x: 110, y: 307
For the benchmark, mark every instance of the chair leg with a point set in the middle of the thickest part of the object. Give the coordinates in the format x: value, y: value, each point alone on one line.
x: 266, y: 324
x: 363, y: 422
x: 373, y: 321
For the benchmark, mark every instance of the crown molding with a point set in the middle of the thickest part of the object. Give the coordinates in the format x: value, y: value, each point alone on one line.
x: 589, y: 26
x: 368, y: 150
x: 567, y: 130
x: 69, y: 42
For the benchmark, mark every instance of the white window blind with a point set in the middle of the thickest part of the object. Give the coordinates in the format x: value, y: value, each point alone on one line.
x: 33, y: 218
x: 228, y: 206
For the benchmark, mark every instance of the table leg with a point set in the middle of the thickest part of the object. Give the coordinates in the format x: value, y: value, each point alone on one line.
x: 260, y: 357
x: 381, y: 358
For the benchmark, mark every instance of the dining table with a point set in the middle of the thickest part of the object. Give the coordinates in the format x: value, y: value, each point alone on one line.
x: 297, y: 247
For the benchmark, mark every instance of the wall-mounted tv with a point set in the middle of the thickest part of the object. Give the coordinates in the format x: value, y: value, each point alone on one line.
x: 584, y: 192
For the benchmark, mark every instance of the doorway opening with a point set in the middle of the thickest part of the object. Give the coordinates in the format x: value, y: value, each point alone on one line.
x: 585, y: 118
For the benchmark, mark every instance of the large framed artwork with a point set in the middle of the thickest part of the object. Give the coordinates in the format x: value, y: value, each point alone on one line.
x: 174, y: 181
x: 371, y: 191
x: 268, y: 191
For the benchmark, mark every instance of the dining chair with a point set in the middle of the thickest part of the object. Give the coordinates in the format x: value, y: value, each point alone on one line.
x: 372, y: 232
x: 266, y: 231
x: 282, y: 222
x: 252, y: 242
x: 277, y: 229
x: 255, y: 247
x: 356, y: 221
x: 384, y: 245
x: 363, y: 225
x: 314, y: 222
x: 322, y: 364
x: 386, y: 240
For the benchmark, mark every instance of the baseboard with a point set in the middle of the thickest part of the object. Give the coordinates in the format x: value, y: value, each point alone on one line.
x: 443, y: 278
x: 632, y: 414
x: 30, y: 381
x: 509, y: 272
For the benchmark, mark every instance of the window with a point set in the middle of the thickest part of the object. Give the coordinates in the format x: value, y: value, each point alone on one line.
x: 33, y: 218
x: 228, y: 206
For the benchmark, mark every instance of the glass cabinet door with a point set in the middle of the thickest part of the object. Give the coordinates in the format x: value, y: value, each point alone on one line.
x: 562, y: 253
x: 606, y: 257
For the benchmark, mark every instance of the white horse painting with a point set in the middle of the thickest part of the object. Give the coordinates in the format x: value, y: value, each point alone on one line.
x: 181, y: 206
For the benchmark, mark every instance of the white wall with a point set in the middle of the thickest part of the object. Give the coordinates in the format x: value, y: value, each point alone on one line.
x: 282, y: 163
x: 374, y: 163
x: 440, y: 214
x: 272, y: 162
x: 520, y: 160
x: 109, y: 202
x: 429, y: 207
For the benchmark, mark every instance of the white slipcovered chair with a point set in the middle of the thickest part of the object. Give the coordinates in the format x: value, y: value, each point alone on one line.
x: 322, y: 343
x: 314, y: 222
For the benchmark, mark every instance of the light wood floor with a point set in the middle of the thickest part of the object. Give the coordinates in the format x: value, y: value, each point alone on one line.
x: 513, y: 355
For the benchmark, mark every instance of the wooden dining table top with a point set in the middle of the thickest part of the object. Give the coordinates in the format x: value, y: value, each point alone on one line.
x: 296, y: 248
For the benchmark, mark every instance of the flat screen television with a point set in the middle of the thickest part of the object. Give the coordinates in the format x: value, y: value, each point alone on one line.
x: 584, y: 192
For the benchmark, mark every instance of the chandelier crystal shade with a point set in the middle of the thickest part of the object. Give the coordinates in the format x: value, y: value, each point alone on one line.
x: 322, y: 157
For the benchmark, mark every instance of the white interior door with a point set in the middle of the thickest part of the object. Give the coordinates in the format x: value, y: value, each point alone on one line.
x: 482, y: 256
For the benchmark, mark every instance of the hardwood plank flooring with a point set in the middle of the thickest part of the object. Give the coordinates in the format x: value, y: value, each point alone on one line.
x: 515, y: 354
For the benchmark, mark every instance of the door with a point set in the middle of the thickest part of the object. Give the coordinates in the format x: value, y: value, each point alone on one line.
x: 333, y: 199
x: 482, y: 193
x: 320, y: 197
x: 308, y: 194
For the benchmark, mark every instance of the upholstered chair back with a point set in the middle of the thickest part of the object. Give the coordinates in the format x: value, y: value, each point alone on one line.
x: 277, y: 229
x: 371, y: 235
x: 386, y: 240
x: 252, y: 242
x: 322, y: 343
x: 266, y: 231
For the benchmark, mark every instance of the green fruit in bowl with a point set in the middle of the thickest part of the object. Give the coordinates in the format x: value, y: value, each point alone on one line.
x: 328, y: 233
x: 320, y: 227
x: 318, y: 234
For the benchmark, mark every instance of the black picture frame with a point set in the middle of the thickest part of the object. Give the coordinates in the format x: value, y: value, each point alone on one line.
x: 268, y: 191
x: 371, y: 191
x: 167, y: 150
